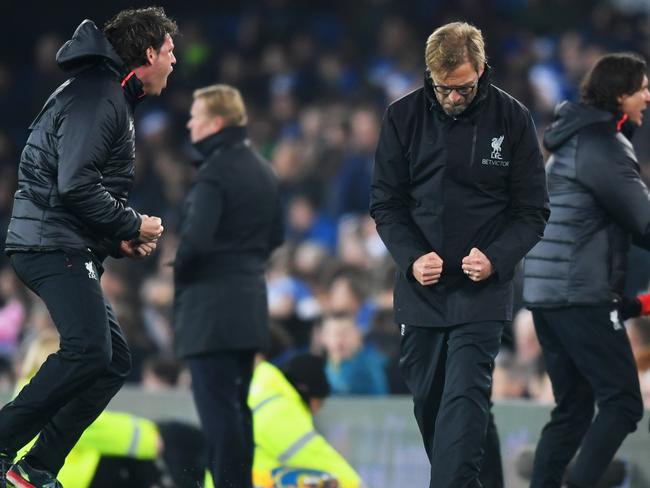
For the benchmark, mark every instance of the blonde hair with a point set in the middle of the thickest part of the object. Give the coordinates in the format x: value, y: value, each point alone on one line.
x: 224, y: 101
x: 453, y: 44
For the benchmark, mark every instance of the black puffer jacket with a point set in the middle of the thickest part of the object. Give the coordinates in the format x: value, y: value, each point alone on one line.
x: 598, y: 205
x: 77, y: 167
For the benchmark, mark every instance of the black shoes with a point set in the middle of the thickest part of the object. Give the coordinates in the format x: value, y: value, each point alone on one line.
x: 22, y: 475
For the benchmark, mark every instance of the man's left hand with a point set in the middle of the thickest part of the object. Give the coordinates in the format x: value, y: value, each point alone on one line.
x: 477, y: 266
x: 134, y: 249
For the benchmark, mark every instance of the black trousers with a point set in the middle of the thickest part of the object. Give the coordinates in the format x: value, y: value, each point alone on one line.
x: 220, y: 384
x: 588, y: 359
x: 75, y: 384
x: 449, y: 372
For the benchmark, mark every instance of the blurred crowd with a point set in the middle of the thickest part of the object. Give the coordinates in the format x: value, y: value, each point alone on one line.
x: 316, y: 82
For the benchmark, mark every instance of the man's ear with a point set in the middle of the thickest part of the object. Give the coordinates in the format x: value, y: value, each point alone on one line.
x: 151, y: 55
x: 218, y: 123
x: 480, y: 73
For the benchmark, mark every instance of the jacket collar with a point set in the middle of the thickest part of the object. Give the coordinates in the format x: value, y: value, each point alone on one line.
x: 133, y: 88
x: 483, y: 89
x: 224, y: 138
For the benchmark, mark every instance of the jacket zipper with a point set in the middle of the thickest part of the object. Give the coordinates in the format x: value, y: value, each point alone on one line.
x: 474, y: 133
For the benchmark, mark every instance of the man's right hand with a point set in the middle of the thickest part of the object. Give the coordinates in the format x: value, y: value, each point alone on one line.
x: 150, y: 229
x: 427, y: 269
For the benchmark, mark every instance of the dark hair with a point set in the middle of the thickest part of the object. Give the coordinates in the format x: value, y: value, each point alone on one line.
x: 133, y: 31
x: 306, y: 372
x: 613, y: 75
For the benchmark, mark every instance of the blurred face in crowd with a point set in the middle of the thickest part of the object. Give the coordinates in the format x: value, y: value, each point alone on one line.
x: 633, y: 105
x: 456, y: 90
x: 201, y: 123
x: 161, y: 64
x: 341, y: 338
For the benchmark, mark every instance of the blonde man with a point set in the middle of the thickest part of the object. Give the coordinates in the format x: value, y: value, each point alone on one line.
x: 459, y: 197
x: 231, y: 223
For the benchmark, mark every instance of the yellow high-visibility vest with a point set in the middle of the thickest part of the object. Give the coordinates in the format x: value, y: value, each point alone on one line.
x: 284, y: 432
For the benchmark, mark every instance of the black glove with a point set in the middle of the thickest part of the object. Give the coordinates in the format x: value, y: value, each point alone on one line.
x: 628, y: 308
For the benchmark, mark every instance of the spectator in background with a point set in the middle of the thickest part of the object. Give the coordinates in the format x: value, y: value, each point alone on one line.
x: 459, y: 197
x: 161, y: 372
x: 70, y: 212
x: 231, y: 224
x: 352, y: 368
x: 12, y: 312
x: 576, y: 274
x: 305, y: 222
x: 351, y: 186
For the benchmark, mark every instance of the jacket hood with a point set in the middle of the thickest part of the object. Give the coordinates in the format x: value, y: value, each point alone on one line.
x: 484, y: 83
x: 569, y: 118
x: 87, y: 46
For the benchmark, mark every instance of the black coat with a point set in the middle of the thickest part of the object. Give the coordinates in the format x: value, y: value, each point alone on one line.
x: 77, y: 167
x: 599, y: 204
x: 447, y: 184
x: 231, y: 223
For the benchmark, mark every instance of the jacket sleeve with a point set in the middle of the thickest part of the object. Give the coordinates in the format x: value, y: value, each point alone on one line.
x: 528, y: 208
x: 613, y: 178
x: 201, y: 219
x: 390, y: 200
x: 277, y: 229
x: 86, y: 133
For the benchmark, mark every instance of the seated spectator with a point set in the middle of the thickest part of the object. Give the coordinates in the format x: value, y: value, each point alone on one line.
x: 161, y: 372
x: 12, y: 312
x: 352, y: 368
x: 305, y: 222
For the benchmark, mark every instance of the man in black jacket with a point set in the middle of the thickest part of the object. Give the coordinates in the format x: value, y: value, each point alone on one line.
x: 575, y: 276
x: 231, y: 223
x: 69, y: 213
x: 459, y: 197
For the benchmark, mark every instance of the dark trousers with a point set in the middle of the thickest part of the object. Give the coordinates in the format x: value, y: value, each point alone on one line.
x: 449, y: 372
x: 589, y: 360
x: 491, y: 475
x: 220, y: 384
x: 74, y: 385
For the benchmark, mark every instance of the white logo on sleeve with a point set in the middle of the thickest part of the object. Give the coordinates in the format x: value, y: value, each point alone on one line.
x: 91, y: 270
x: 496, y: 147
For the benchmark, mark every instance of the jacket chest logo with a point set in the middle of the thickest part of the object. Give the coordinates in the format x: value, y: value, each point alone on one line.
x: 91, y: 270
x: 496, y: 147
x: 496, y: 158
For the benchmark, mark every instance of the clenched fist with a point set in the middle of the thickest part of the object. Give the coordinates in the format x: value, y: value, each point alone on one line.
x: 476, y: 265
x: 427, y: 269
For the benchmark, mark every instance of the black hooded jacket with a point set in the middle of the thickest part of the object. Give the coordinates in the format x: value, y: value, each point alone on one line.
x: 447, y: 184
x: 77, y: 167
x: 598, y: 205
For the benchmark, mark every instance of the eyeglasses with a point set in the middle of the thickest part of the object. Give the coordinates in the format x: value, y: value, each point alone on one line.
x: 462, y: 90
